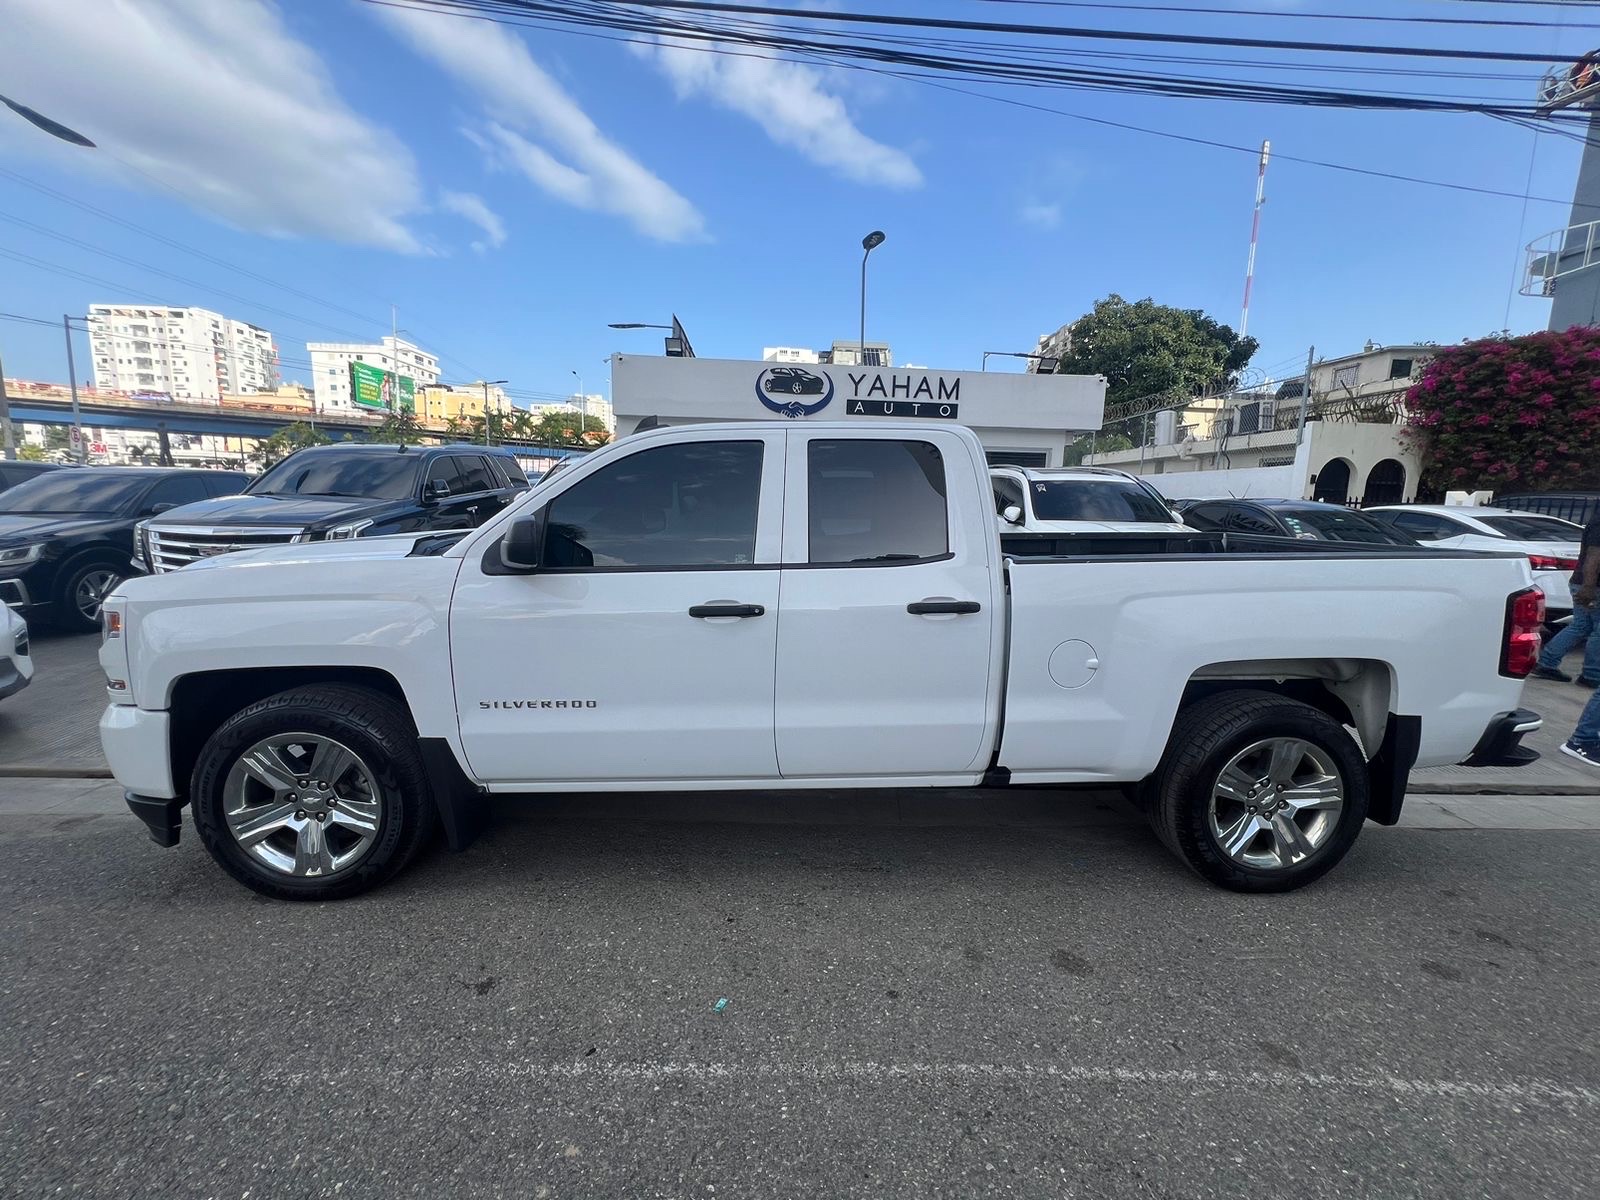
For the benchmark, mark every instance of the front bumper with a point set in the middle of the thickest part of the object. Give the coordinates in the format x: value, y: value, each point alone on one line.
x: 1501, y: 743
x: 163, y: 818
x: 137, y: 747
x: 15, y: 674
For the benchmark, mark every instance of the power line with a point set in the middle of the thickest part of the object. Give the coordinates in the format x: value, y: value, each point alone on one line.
x: 1254, y: 13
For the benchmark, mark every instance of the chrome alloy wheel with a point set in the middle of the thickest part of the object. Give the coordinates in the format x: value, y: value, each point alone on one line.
x: 1275, y: 803
x: 91, y: 592
x: 303, y: 804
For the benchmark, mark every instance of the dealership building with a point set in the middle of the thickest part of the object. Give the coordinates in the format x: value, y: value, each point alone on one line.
x: 1025, y: 420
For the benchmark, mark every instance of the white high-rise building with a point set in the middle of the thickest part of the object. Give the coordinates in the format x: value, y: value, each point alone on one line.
x: 330, y: 368
x: 184, y: 352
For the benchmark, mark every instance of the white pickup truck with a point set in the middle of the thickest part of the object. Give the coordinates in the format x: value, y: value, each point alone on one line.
x: 798, y: 605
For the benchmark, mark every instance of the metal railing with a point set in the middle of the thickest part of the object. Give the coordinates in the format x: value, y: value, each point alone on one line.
x: 1560, y: 253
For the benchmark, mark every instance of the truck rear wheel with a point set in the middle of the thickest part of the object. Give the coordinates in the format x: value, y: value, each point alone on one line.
x: 313, y: 794
x: 1258, y: 793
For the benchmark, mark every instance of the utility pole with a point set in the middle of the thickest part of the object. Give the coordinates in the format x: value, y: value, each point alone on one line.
x: 81, y: 453
x: 7, y: 435
x: 1305, y: 398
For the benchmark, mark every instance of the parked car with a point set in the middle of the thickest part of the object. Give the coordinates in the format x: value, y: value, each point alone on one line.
x: 16, y: 663
x: 681, y: 611
x: 330, y: 493
x: 1310, y: 520
x: 1551, y: 544
x: 15, y: 472
x: 66, y: 536
x: 1066, y: 500
x: 795, y: 381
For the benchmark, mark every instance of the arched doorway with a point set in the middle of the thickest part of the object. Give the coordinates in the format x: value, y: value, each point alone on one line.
x: 1333, y: 482
x: 1386, y: 484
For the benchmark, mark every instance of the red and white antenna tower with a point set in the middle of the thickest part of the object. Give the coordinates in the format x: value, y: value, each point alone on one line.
x: 1255, y: 232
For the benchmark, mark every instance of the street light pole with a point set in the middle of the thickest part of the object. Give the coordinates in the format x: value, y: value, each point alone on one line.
x: 868, y: 244
x: 8, y: 438
x: 72, y: 379
x: 583, y: 407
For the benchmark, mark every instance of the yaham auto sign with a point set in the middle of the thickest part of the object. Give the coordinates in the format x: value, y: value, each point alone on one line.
x: 378, y: 390
x: 1025, y: 418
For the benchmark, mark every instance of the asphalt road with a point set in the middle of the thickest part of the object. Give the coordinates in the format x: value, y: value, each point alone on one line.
x: 1053, y: 1008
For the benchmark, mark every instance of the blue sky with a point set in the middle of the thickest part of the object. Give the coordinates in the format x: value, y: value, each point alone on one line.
x: 513, y: 191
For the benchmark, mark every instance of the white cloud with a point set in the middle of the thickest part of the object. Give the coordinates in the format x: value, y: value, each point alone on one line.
x: 1041, y: 216
x: 791, y: 102
x: 215, y: 102
x: 472, y: 208
x: 522, y: 98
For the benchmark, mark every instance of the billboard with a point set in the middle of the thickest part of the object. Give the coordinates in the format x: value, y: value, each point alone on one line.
x: 373, y: 388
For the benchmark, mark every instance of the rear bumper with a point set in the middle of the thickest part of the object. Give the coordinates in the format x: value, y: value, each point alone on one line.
x: 1501, y: 743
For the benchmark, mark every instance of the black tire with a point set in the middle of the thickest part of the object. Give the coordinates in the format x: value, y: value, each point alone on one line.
x: 1205, y: 738
x: 369, y: 723
x: 68, y: 617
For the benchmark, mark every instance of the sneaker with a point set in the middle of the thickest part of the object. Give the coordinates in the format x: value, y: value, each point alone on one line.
x: 1585, y: 681
x: 1590, y: 756
x: 1551, y: 673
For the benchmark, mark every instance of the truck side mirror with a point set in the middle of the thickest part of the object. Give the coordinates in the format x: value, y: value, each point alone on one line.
x: 1012, y: 513
x: 436, y: 490
x: 522, y: 546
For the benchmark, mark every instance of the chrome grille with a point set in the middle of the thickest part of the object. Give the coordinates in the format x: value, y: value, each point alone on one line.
x: 174, y: 546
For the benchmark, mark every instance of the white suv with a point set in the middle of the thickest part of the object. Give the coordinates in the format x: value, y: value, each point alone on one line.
x: 1079, y: 500
x: 16, y: 665
x: 1551, y: 544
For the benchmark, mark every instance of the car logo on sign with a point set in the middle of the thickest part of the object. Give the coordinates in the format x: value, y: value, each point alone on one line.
x: 785, y: 391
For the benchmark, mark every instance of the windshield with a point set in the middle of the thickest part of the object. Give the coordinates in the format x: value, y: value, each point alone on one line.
x: 1096, y: 500
x: 80, y: 491
x: 1338, y: 525
x: 363, y: 474
x: 1534, y: 529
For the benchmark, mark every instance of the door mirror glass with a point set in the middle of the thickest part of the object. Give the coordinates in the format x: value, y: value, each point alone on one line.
x: 436, y: 489
x: 153, y: 509
x: 1012, y: 514
x: 522, y: 547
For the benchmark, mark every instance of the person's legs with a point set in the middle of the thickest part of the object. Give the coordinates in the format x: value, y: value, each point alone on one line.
x: 1580, y: 627
x: 1587, y: 735
x: 1591, y: 649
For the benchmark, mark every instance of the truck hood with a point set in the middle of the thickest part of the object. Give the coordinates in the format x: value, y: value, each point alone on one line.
x: 397, y: 545
x: 32, y: 527
x: 299, y: 511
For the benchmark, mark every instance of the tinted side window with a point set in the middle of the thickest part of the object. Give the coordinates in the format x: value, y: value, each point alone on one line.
x: 689, y: 505
x: 1007, y: 491
x: 1425, y: 527
x: 475, y: 475
x: 225, y: 483
x: 1206, y: 516
x: 443, y: 471
x: 873, y: 501
x: 509, y: 471
x: 180, y: 489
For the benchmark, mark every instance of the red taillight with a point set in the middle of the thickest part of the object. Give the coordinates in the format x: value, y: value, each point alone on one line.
x: 1524, y: 626
x: 1549, y: 562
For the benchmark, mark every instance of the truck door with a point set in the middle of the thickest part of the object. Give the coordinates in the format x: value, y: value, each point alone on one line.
x: 654, y: 658
x: 888, y: 649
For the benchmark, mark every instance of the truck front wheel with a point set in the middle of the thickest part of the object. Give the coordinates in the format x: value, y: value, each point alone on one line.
x: 313, y: 794
x: 1258, y: 793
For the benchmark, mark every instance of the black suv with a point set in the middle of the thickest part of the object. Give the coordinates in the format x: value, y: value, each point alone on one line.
x: 1311, y: 520
x: 65, y: 536
x: 15, y: 472
x: 328, y: 493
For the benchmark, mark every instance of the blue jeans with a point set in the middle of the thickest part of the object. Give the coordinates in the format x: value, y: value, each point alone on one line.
x: 1585, y: 623
x: 1587, y: 735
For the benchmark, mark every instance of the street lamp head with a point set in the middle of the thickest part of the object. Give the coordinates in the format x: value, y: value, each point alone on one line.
x: 872, y: 241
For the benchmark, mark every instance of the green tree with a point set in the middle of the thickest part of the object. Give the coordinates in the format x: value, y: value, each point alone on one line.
x: 399, y: 429
x: 563, y: 428
x: 31, y: 453
x: 1149, y: 349
x: 285, y: 442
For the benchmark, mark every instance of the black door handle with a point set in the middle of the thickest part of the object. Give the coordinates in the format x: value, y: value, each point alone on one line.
x: 922, y: 608
x: 727, y: 610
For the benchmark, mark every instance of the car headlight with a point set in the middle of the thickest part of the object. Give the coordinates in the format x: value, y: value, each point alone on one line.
x: 18, y: 556
x: 353, y: 529
x: 141, y: 543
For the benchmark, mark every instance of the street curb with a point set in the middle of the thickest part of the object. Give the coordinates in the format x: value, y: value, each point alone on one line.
x: 1443, y: 788
x: 56, y: 772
